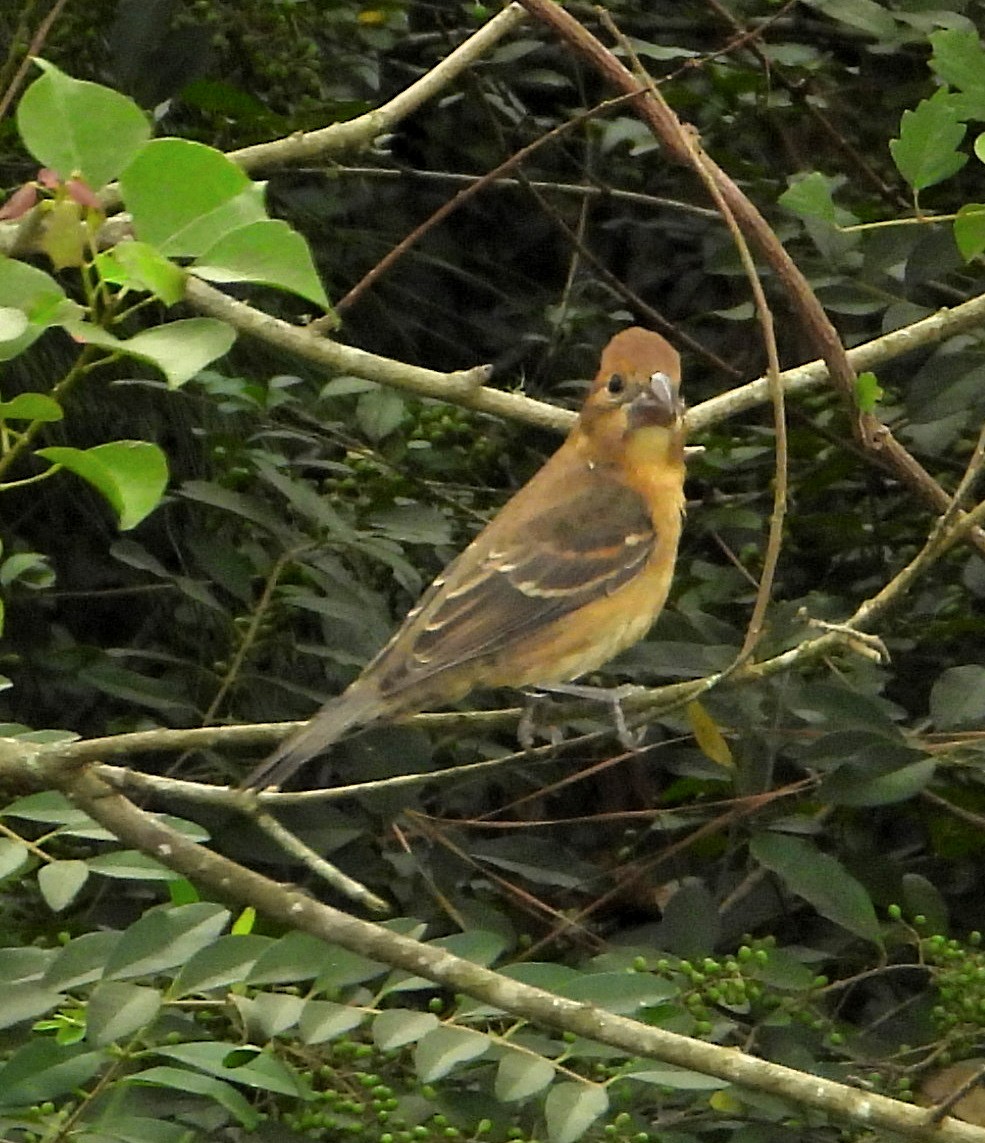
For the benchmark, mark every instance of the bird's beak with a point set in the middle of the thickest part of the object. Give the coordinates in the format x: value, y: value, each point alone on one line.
x: 656, y: 404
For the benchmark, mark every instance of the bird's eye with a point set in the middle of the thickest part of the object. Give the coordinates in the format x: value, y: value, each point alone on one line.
x: 617, y: 383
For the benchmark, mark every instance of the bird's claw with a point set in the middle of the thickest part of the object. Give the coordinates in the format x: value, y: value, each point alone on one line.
x: 630, y: 740
x: 526, y: 730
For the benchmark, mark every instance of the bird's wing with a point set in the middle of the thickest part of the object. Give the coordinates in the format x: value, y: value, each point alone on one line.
x: 505, y: 589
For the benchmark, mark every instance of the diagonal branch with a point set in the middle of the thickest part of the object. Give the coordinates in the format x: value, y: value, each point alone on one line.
x: 234, y: 883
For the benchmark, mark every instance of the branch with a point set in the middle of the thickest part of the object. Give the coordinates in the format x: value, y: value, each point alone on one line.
x: 233, y: 882
x: 461, y: 388
x: 466, y: 387
x: 21, y: 761
x: 303, y: 146
x: 928, y: 331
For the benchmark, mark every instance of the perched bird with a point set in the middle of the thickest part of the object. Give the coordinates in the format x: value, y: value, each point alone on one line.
x: 572, y: 570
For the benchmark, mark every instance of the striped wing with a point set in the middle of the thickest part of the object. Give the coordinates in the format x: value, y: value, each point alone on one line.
x: 500, y: 593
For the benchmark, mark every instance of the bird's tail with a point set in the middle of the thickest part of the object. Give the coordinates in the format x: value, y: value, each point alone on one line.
x: 358, y: 706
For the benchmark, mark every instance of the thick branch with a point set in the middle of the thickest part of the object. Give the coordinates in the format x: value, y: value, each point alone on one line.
x: 242, y: 886
x: 461, y: 388
x: 466, y: 388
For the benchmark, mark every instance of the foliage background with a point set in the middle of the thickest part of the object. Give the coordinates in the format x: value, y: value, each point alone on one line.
x: 239, y: 601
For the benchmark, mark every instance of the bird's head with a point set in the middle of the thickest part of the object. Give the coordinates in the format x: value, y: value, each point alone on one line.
x: 634, y: 401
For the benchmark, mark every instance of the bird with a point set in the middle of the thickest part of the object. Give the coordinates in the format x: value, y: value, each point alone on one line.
x: 573, y: 569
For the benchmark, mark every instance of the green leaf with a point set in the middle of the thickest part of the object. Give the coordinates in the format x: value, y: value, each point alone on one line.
x: 131, y: 475
x: 117, y: 1010
x: 130, y: 865
x: 690, y: 926
x: 182, y: 1080
x: 65, y: 236
x: 782, y: 969
x: 477, y: 945
x: 227, y: 961
x: 192, y: 830
x: 922, y: 898
x: 49, y: 807
x: 811, y: 197
x: 269, y: 1013
x: 13, y: 323
x: 26, y: 1002
x: 443, y: 1049
x: 957, y: 698
x: 620, y: 992
x: 61, y: 881
x: 43, y: 1069
x: 246, y: 507
x: 399, y: 1026
x: 251, y: 1067
x: 307, y: 501
x: 959, y: 60
x: 412, y: 524
x: 926, y: 151
x: 110, y: 1125
x: 81, y: 961
x: 14, y: 855
x: 76, y: 127
x: 31, y: 407
x: 866, y: 15
x: 269, y: 252
x: 969, y: 228
x: 848, y: 787
x: 538, y: 860
x: 679, y: 1079
x: 379, y: 412
x: 245, y: 923
x: 139, y: 266
x: 180, y: 349
x: 867, y: 391
x: 165, y: 937
x: 323, y: 1020
x: 571, y: 1108
x: 538, y: 974
x: 18, y: 966
x: 294, y: 957
x: 820, y: 880
x: 542, y: 974
x: 340, y: 968
x: 23, y: 964
x: 185, y: 196
x: 36, y: 295
x: 520, y: 1076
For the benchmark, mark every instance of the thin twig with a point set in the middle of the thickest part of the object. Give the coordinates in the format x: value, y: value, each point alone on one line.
x: 292, y: 845
x: 706, y: 172
x: 454, y: 203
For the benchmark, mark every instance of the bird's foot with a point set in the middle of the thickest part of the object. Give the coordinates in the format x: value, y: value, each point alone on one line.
x: 612, y: 696
x: 526, y: 728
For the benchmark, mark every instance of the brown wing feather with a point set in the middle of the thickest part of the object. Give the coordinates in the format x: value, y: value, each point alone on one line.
x: 568, y: 555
